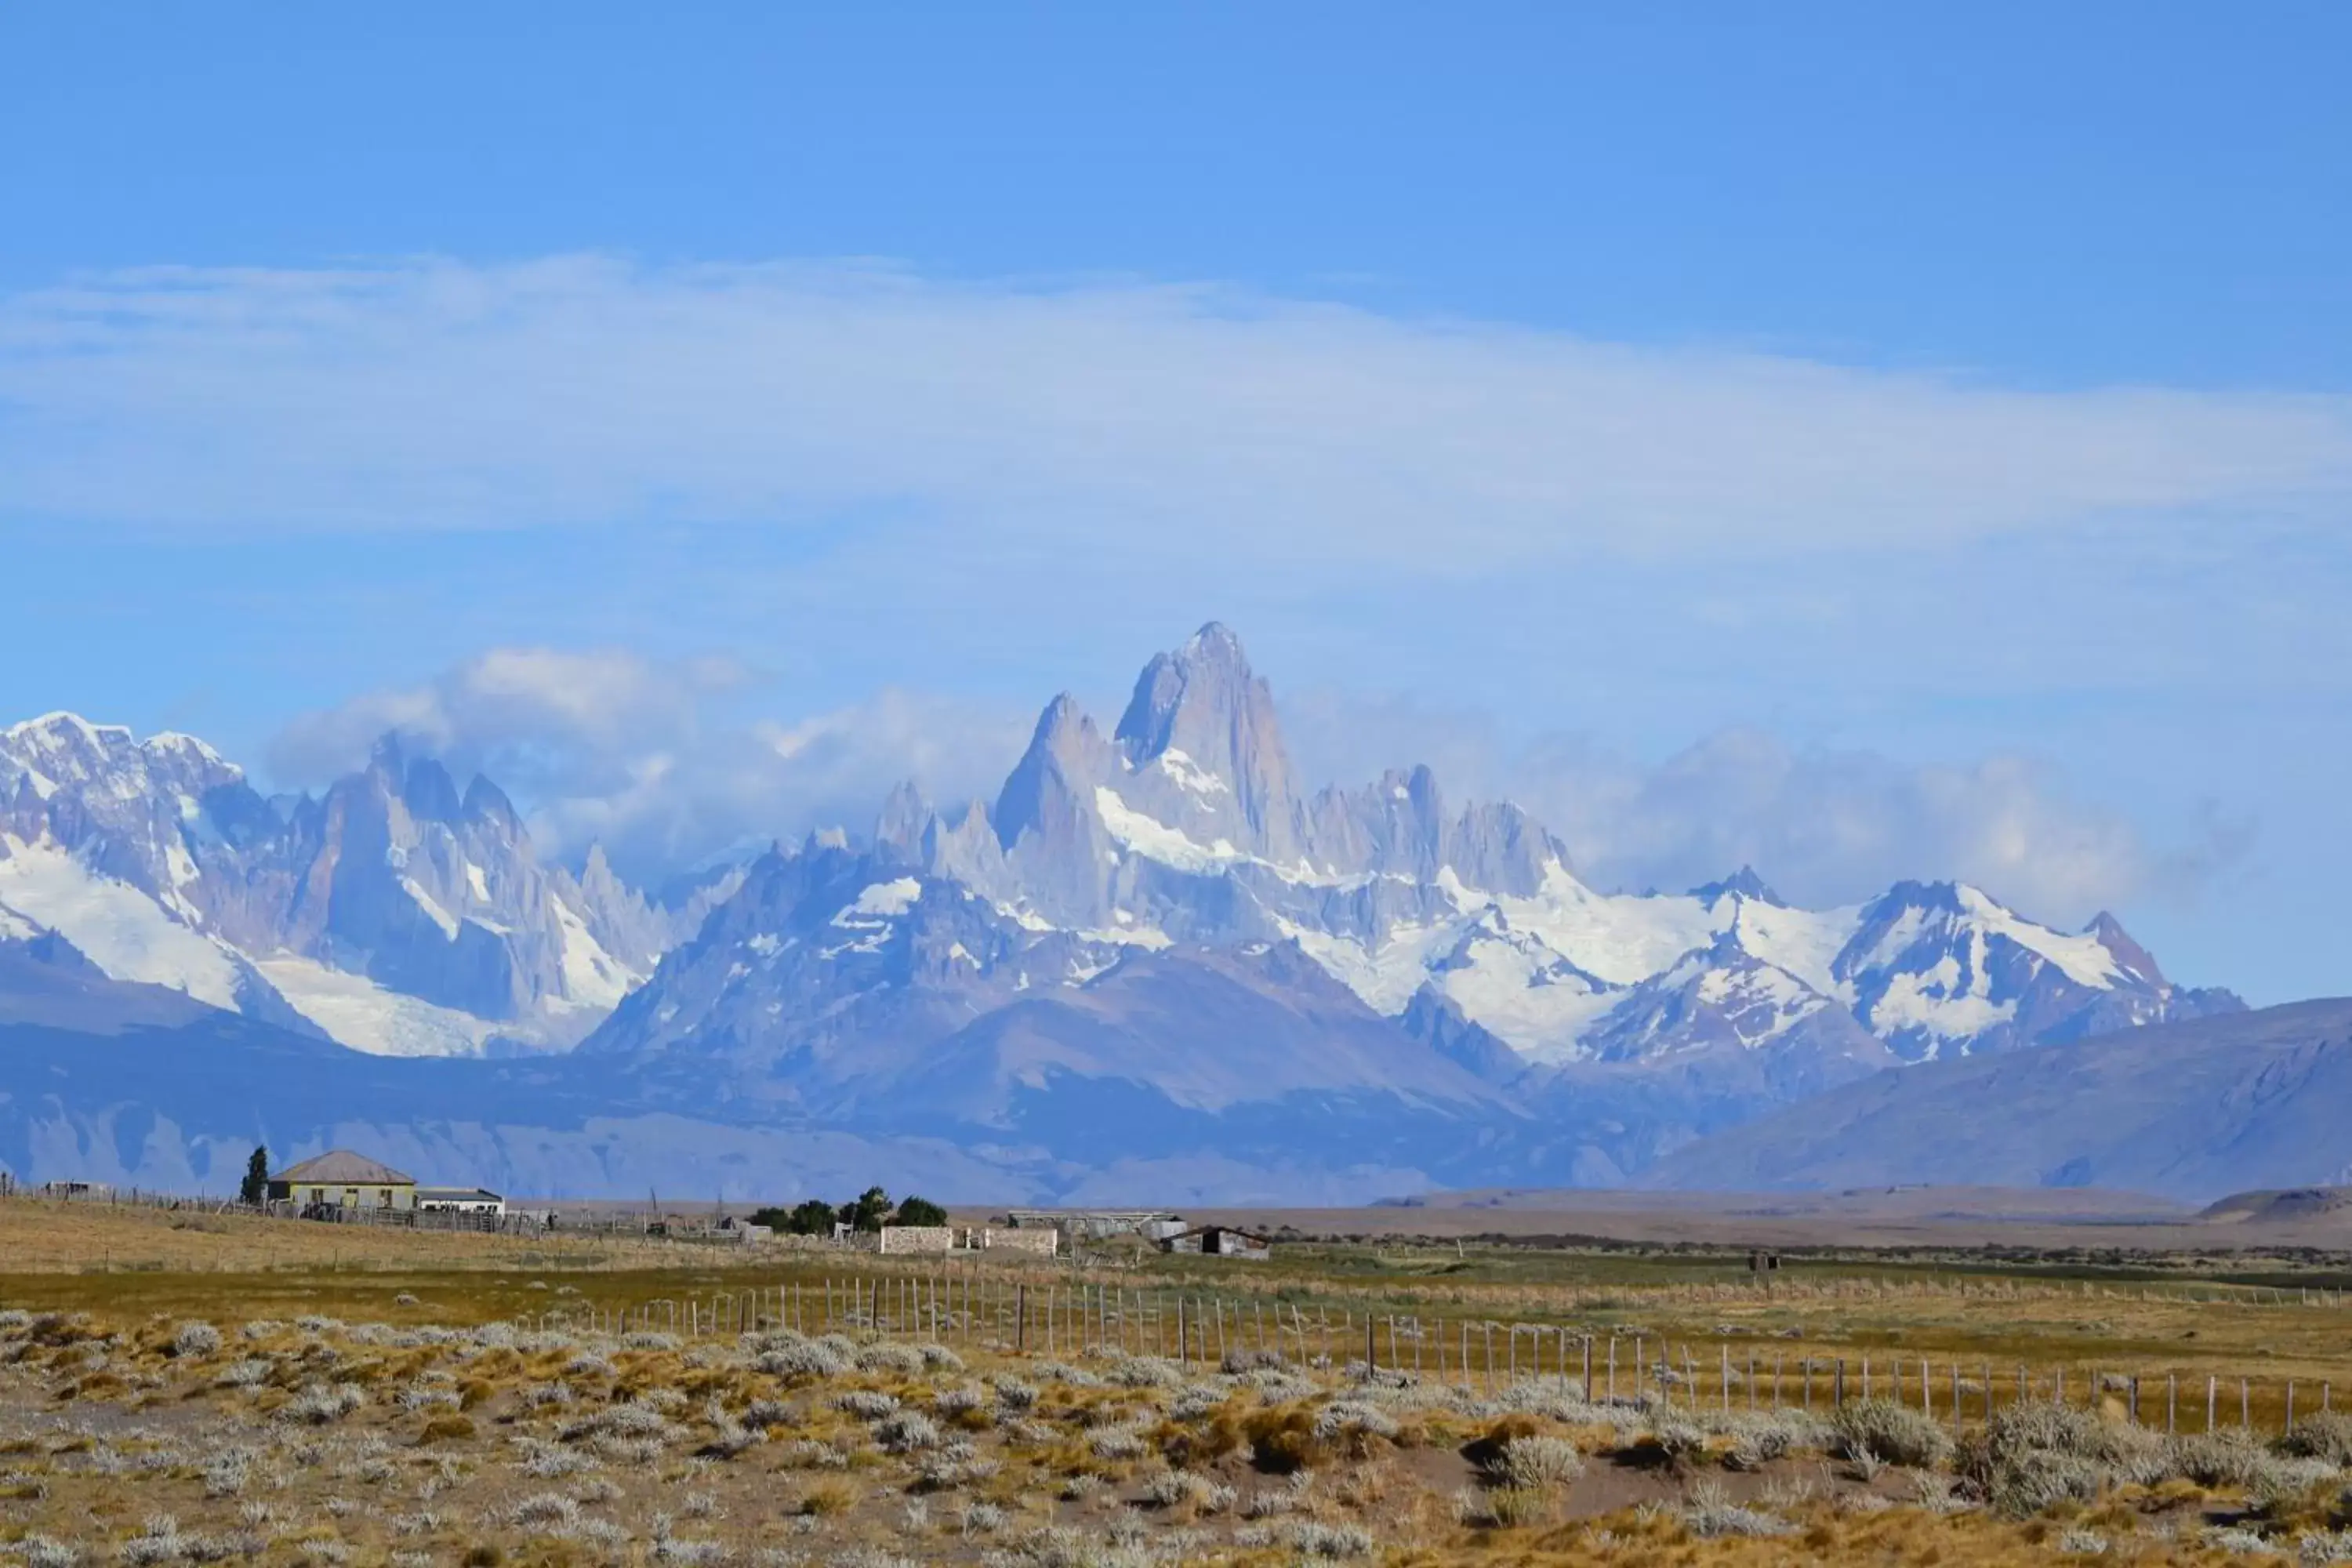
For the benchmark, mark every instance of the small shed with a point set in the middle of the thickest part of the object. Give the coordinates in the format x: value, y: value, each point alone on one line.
x: 341, y: 1179
x: 1221, y: 1241
x: 460, y: 1200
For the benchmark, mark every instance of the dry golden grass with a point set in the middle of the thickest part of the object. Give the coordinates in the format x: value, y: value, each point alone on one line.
x: 107, y: 1423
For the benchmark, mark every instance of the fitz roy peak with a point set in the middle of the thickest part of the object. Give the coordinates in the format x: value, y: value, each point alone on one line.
x: 1184, y: 827
x: 1154, y: 968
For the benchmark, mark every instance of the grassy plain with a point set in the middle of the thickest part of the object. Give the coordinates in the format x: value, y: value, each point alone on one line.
x: 351, y: 1395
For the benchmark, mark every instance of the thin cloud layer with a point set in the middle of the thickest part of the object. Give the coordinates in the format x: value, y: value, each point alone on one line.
x: 647, y: 758
x: 656, y: 761
x: 1144, y: 420
x: 1824, y: 826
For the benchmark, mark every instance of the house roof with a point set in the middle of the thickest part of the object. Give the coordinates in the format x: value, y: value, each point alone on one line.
x: 1209, y: 1230
x: 460, y: 1195
x: 340, y: 1167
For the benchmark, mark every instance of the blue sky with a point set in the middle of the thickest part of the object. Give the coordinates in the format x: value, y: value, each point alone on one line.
x: 1873, y: 441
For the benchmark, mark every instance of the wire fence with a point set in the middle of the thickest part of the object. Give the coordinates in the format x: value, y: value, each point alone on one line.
x: 1017, y: 1316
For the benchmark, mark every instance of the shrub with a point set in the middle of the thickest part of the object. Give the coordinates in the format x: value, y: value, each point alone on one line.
x: 1710, y: 1514
x: 1173, y: 1488
x: 1311, y: 1538
x: 1354, y: 1428
x: 551, y: 1512
x: 1539, y: 1462
x: 225, y: 1475
x: 248, y: 1374
x: 824, y: 1498
x: 1117, y: 1442
x: 1757, y: 1440
x: 905, y: 1360
x: 1895, y: 1433
x: 951, y: 1403
x: 1282, y: 1438
x: 790, y: 1355
x: 195, y: 1339
x: 1678, y: 1439
x: 449, y: 1428
x: 624, y: 1421
x: 866, y: 1404
x: 906, y: 1432
x: 1502, y: 1507
x: 2216, y: 1458
x: 2327, y: 1436
x: 322, y: 1403
x: 1145, y: 1372
x: 2318, y: 1546
x: 763, y: 1414
x: 2281, y: 1483
x: 2031, y: 1455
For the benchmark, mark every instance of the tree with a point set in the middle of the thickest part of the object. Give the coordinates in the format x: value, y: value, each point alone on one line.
x: 919, y: 1211
x: 255, y: 1189
x: 813, y: 1217
x: 871, y: 1210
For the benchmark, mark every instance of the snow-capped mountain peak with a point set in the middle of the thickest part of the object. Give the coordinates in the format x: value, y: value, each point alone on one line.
x: 1203, y: 751
x: 1743, y: 883
x: 394, y: 914
x: 1943, y: 968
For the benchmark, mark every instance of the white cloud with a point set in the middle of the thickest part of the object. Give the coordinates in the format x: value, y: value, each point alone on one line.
x: 660, y: 763
x: 1148, y: 421
x: 1825, y: 826
x: 645, y: 756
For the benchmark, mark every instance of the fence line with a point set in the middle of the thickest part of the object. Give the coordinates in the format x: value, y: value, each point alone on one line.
x: 1005, y: 1315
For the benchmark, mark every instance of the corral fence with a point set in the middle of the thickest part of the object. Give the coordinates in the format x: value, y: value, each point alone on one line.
x: 1483, y: 1355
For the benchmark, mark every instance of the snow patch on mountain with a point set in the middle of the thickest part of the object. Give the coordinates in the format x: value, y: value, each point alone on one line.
x: 1190, y: 775
x: 118, y: 927
x: 355, y: 1010
x: 1150, y: 837
x: 1945, y: 1003
x: 1616, y: 937
x: 2084, y: 959
x: 1385, y: 972
x: 431, y: 908
x: 1804, y: 944
x: 1519, y: 988
x: 592, y: 978
x: 892, y: 898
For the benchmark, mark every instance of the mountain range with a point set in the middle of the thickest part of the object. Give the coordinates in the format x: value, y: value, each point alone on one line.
x: 1153, y: 966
